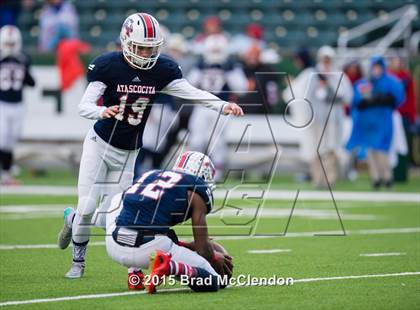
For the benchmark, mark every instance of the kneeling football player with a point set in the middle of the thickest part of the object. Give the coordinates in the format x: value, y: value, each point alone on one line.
x: 139, y: 221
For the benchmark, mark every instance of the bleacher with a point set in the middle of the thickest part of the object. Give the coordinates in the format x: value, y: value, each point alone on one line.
x: 286, y: 22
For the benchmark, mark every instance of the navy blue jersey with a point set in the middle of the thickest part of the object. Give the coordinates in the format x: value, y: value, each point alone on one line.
x: 213, y: 77
x: 14, y: 75
x: 134, y: 90
x: 159, y: 200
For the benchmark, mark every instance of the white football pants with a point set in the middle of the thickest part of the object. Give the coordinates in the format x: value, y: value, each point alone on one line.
x: 11, y: 120
x: 104, y: 172
x: 140, y: 257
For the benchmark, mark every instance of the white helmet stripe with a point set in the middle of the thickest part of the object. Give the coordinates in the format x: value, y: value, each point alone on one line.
x: 144, y: 25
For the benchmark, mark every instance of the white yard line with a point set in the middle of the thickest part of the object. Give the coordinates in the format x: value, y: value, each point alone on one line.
x: 39, y: 246
x: 34, y: 208
x: 239, y: 193
x: 385, y: 231
x: 39, y: 190
x: 17, y: 212
x: 109, y: 295
x: 385, y: 275
x: 271, y: 251
x: 382, y: 254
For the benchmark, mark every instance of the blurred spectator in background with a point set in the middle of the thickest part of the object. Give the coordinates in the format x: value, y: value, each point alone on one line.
x: 211, y: 25
x: 329, y: 90
x: 14, y: 75
x: 321, y: 94
x: 300, y: 112
x: 354, y: 71
x: 408, y: 112
x: 376, y: 97
x: 408, y: 108
x: 253, y: 36
x: 70, y: 66
x: 57, y: 17
x: 303, y: 59
x: 262, y: 88
x: 68, y: 50
x: 9, y: 11
x: 177, y: 48
x: 219, y: 75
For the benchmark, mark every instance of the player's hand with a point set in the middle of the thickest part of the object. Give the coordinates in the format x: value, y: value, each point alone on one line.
x: 222, y: 263
x: 110, y: 112
x: 232, y: 108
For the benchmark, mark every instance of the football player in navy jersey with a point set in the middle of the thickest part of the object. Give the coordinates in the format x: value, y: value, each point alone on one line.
x: 128, y: 82
x: 139, y: 222
x: 218, y: 73
x: 14, y: 75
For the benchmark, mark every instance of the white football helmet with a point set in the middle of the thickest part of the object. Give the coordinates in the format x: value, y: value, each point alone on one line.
x: 197, y: 164
x: 140, y: 31
x: 215, y: 49
x: 10, y: 41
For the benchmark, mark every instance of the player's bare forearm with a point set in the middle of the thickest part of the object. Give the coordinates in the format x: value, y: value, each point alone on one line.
x: 199, y: 226
x: 203, y: 248
x: 188, y: 245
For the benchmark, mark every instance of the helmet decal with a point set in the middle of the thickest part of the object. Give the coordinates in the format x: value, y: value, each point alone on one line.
x: 128, y: 26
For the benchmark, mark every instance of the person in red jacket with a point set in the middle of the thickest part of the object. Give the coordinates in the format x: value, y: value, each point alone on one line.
x: 68, y: 61
x: 408, y: 109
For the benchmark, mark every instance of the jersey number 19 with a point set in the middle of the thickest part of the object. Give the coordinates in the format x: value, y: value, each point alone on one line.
x: 137, y: 108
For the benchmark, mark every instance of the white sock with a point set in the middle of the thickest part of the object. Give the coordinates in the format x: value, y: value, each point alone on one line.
x: 133, y: 269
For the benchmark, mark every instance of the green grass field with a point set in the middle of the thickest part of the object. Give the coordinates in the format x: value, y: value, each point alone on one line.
x: 320, y: 265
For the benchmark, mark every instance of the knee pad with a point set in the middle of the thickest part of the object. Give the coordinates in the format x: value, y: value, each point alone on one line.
x: 99, y: 219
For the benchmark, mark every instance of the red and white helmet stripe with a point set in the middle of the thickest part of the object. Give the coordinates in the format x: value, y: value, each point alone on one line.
x: 149, y: 25
x: 198, y: 164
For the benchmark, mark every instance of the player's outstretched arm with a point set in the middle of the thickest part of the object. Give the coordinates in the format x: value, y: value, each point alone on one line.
x: 183, y: 89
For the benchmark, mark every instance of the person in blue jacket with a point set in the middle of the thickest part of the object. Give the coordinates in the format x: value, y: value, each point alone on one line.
x: 374, y: 101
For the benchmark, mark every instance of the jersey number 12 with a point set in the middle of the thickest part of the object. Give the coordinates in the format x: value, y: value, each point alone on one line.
x: 155, y: 190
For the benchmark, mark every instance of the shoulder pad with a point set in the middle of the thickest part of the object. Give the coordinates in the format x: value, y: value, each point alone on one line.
x: 98, y: 69
x: 168, y: 68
